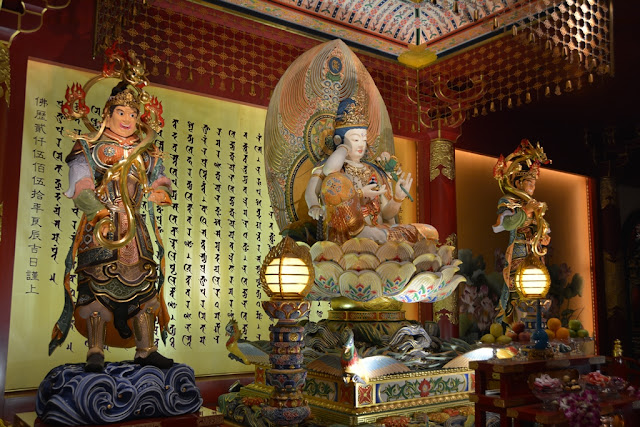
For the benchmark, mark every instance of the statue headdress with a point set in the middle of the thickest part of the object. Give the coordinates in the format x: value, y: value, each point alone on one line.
x: 133, y: 78
x: 351, y: 114
x: 121, y: 95
x: 523, y: 163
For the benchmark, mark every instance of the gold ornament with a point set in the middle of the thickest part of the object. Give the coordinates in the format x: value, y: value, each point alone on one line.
x: 442, y: 155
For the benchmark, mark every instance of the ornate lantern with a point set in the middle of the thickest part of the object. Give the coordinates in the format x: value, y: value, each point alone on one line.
x: 287, y: 276
x: 287, y: 271
x: 532, y: 281
x: 532, y: 278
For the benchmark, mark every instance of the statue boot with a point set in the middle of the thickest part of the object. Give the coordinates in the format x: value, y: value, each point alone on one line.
x: 144, y: 324
x: 96, y: 334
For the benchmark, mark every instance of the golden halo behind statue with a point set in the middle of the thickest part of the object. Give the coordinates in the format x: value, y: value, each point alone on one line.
x: 300, y: 122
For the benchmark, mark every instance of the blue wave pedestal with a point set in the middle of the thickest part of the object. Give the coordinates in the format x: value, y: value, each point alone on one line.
x: 124, y: 391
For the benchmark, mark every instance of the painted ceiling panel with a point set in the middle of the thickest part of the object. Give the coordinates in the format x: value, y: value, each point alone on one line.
x: 396, y: 19
x: 390, y: 26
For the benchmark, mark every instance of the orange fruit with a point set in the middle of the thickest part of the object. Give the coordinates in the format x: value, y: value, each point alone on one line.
x: 562, y: 334
x: 550, y: 333
x: 554, y: 324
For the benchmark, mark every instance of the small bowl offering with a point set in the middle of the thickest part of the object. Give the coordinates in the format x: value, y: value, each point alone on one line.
x: 546, y: 388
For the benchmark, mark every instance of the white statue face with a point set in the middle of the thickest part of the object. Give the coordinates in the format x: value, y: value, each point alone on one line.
x: 123, y: 121
x: 357, y: 138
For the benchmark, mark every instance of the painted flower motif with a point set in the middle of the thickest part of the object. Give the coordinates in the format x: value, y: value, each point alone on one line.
x: 467, y: 299
x: 564, y: 272
x: 424, y: 388
x: 395, y: 285
x: 484, y: 290
x: 485, y: 313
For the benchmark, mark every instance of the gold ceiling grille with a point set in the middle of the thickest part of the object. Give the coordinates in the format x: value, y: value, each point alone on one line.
x: 553, y: 48
x: 556, y: 48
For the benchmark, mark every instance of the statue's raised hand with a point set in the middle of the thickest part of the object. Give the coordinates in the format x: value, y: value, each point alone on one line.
x: 405, y: 182
x: 371, y: 191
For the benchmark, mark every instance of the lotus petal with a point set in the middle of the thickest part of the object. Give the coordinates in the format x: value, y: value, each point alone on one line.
x: 360, y: 262
x: 445, y: 289
x: 395, y: 276
x: 325, y: 251
x: 428, y: 262
x: 446, y: 254
x: 327, y: 277
x: 421, y: 286
x: 395, y: 251
x: 448, y: 271
x: 425, y: 246
x: 360, y: 286
x: 359, y: 245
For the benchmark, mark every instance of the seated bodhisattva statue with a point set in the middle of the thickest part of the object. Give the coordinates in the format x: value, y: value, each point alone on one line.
x: 355, y: 196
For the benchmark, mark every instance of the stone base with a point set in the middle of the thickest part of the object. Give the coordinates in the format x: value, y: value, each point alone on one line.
x: 124, y: 391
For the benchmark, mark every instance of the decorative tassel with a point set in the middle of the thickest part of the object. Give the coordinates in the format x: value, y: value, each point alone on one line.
x: 568, y: 87
x: 527, y: 98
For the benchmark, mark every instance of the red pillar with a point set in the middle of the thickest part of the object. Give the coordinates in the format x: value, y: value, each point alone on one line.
x: 437, y: 206
x: 423, y: 198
